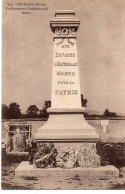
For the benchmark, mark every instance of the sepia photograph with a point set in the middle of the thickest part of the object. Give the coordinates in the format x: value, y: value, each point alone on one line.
x: 63, y: 95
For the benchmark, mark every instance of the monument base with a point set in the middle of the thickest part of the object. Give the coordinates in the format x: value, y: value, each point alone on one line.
x: 66, y: 125
x: 104, y: 172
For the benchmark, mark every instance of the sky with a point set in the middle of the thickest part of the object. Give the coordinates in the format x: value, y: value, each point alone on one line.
x: 27, y: 49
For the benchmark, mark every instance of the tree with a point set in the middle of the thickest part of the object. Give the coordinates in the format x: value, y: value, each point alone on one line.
x: 47, y: 104
x: 43, y: 112
x: 5, y: 111
x: 83, y: 101
x: 107, y: 113
x: 32, y: 111
x: 14, y: 111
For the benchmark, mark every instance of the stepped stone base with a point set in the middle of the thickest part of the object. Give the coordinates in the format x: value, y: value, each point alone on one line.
x: 104, y: 172
x: 66, y: 127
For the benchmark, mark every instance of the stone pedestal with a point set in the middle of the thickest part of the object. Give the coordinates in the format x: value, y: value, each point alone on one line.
x: 66, y: 127
x: 103, y: 172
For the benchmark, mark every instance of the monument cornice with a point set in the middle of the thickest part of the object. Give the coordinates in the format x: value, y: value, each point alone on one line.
x: 64, y: 138
x: 64, y: 19
x: 66, y: 110
x: 59, y: 23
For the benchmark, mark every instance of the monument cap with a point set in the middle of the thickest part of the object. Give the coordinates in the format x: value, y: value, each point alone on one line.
x: 64, y: 18
x: 64, y: 13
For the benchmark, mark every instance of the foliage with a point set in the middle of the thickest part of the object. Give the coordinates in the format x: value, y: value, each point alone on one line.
x: 5, y: 111
x: 107, y: 113
x: 14, y: 111
x: 47, y: 104
x: 83, y: 101
x: 11, y: 112
x: 67, y: 158
x: 83, y: 156
x: 112, y: 153
x: 45, y: 156
x: 43, y: 112
x: 32, y: 111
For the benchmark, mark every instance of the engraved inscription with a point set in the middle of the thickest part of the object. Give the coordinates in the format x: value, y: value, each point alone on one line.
x: 64, y: 64
x: 65, y: 55
x: 65, y: 73
x: 66, y: 92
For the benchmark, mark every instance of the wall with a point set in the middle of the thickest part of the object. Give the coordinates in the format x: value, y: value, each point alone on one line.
x: 115, y: 130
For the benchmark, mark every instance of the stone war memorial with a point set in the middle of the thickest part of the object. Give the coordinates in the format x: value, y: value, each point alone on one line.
x: 66, y: 144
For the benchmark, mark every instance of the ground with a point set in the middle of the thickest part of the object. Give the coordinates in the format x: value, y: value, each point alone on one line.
x: 9, y: 181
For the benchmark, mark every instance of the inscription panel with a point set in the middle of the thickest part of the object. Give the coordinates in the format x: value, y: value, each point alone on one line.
x: 65, y: 85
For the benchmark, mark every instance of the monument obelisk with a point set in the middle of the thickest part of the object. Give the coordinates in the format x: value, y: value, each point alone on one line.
x: 66, y: 121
